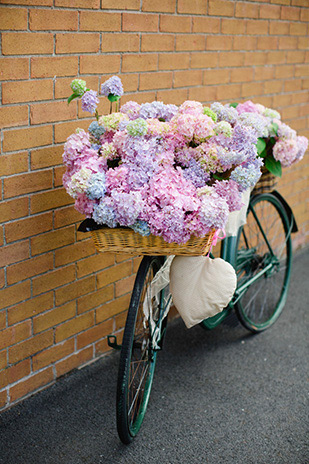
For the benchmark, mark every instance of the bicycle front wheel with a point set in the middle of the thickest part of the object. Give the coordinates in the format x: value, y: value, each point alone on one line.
x: 264, y: 252
x: 137, y: 358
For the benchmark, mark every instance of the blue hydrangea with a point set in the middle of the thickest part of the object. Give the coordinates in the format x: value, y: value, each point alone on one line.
x: 96, y: 130
x: 157, y: 110
x: 247, y: 175
x: 224, y: 113
x: 141, y: 227
x: 96, y: 186
x: 103, y: 213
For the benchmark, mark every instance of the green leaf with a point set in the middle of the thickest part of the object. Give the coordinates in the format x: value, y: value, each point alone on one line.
x: 261, y: 145
x: 217, y: 177
x: 263, y: 154
x: 273, y: 166
x: 275, y: 127
x: 113, y: 98
x: 74, y: 95
x: 234, y: 105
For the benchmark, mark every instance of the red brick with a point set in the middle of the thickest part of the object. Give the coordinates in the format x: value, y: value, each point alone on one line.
x: 229, y: 92
x: 94, y: 263
x: 3, y: 398
x: 124, y: 286
x: 73, y: 327
x: 304, y: 14
x: 75, y: 290
x: 221, y: 8
x: 254, y: 88
x: 172, y: 23
x: 141, y: 62
x: 46, y: 157
x: 279, y: 28
x: 57, y: 20
x: 20, y: 139
x: 120, y: 4
x: 267, y: 43
x: 244, y: 43
x: 223, y: 42
x: 77, y: 43
x: 14, y: 373
x: 287, y: 43
x: 14, y: 68
x: 31, y: 384
x: 298, y: 29
x: 3, y: 359
x: 74, y: 361
x: 100, y: 21
x: 53, y: 279
x: 264, y: 73
x: 94, y: 334
x: 16, y: 334
x: 120, y: 42
x: 95, y: 4
x: 187, y: 78
x: 2, y: 320
x: 53, y: 354
x: 41, y: 113
x: 14, y: 294
x: 102, y: 346
x: 216, y: 76
x: 31, y: 267
x: 52, y: 240
x: 54, y: 66
x: 74, y: 252
x: 301, y: 70
x: 193, y: 42
x: 30, y: 2
x: 132, y: 22
x: 156, y: 42
x: 254, y: 58
x: 30, y: 308
x: 26, y: 183
x: 204, y: 94
x: 157, y: 80
x: 13, y: 164
x: 246, y: 10
x: 233, y: 26
x: 231, y: 59
x: 292, y: 85
x: 176, y: 96
x: 277, y: 57
x: 302, y: 43
x: 94, y: 64
x: 257, y: 27
x: 93, y: 300
x: 24, y: 43
x: 54, y: 317
x: 284, y: 71
x: 111, y: 309
x: 13, y: 19
x: 170, y: 61
x: 30, y: 347
x: 113, y: 274
x: 159, y: 6
x: 270, y: 11
x: 242, y: 74
x: 192, y: 7
x: 2, y: 282
x: 13, y: 116
x: 206, y: 25
x: 34, y: 90
x: 204, y: 60
x: 291, y: 13
x: 49, y: 200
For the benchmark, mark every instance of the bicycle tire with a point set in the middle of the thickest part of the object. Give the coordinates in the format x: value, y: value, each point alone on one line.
x: 137, y: 357
x: 264, y: 249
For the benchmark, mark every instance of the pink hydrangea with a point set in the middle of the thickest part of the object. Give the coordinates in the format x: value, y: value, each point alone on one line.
x: 84, y: 205
x: 247, y: 107
x: 204, y: 128
x: 191, y: 107
x: 285, y: 151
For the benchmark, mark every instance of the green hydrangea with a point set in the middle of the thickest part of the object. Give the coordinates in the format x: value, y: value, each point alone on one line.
x: 210, y: 113
x: 223, y: 127
x: 137, y: 127
x: 78, y: 87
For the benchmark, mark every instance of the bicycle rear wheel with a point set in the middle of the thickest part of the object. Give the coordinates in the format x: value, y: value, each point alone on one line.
x: 264, y: 251
x: 137, y: 358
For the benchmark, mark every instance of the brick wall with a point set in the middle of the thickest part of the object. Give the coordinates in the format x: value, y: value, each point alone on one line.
x: 58, y: 298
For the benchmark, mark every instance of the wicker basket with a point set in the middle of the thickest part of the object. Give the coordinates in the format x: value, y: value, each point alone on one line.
x: 125, y: 240
x: 266, y: 183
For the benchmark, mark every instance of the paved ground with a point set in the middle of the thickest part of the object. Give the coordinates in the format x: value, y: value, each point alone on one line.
x: 218, y: 397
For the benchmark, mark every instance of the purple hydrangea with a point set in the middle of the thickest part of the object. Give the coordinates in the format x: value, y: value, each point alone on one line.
x: 103, y: 213
x: 96, y: 186
x: 112, y: 86
x: 90, y: 101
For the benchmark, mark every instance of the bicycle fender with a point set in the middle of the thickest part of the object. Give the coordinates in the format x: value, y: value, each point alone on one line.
x: 288, y: 210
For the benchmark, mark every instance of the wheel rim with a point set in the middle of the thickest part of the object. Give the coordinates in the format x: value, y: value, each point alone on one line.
x: 263, y: 244
x: 142, y: 362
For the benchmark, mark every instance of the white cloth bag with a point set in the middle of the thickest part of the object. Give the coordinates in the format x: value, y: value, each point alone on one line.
x: 201, y: 287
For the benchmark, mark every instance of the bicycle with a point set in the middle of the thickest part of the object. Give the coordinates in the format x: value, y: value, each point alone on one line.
x: 261, y: 255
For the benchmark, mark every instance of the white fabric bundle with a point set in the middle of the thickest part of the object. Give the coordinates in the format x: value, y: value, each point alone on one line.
x: 201, y: 287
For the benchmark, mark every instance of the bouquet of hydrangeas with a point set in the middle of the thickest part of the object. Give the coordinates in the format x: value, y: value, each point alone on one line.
x: 160, y: 169
x: 278, y: 145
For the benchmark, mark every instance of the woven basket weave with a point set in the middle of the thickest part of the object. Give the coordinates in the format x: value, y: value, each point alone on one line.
x: 266, y: 183
x: 123, y: 240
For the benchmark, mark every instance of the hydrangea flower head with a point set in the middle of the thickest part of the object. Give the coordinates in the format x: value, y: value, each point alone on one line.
x: 137, y: 128
x: 113, y: 86
x: 90, y: 101
x: 285, y: 151
x: 131, y: 109
x: 247, y: 107
x: 191, y: 107
x: 223, y: 127
x: 96, y: 130
x: 78, y: 87
x: 210, y: 113
x: 111, y: 121
x: 96, y: 186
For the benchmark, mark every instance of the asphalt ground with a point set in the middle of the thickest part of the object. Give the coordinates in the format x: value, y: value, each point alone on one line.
x: 221, y: 396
